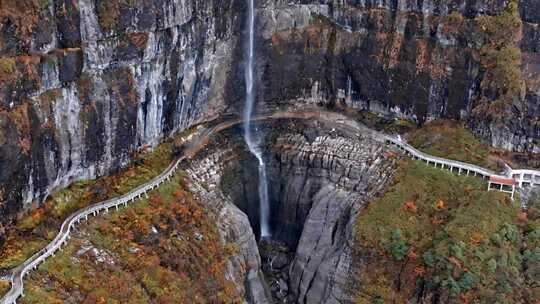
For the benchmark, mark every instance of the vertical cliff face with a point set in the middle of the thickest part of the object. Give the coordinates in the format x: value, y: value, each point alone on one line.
x: 320, y: 177
x: 471, y: 60
x: 322, y: 183
x: 244, y: 266
x: 85, y: 83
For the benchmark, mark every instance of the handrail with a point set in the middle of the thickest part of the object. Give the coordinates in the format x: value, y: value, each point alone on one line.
x: 20, y: 271
x: 521, y: 180
x: 18, y: 274
x: 449, y: 162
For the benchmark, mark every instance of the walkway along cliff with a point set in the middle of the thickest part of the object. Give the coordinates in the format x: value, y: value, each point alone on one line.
x: 18, y: 273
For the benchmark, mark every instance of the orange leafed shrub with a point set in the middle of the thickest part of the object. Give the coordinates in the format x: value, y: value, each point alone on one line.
x: 156, y: 200
x: 455, y: 261
x: 411, y: 206
x: 38, y: 214
x: 24, y: 144
x: 179, y: 194
x: 522, y: 216
x: 439, y: 205
x: 419, y: 271
x: 476, y: 238
x: 412, y: 254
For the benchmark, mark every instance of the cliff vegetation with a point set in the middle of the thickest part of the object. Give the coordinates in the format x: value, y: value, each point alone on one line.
x: 165, y: 249
x: 34, y: 230
x: 438, y: 236
x: 500, y: 56
x: 451, y: 139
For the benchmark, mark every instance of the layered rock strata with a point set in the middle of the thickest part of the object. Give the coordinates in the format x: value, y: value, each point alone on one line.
x: 85, y: 83
x: 318, y: 185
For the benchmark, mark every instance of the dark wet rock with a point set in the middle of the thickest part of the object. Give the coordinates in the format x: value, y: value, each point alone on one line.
x: 180, y: 63
x: 279, y: 261
x: 70, y: 64
x: 324, y: 183
x: 318, y: 184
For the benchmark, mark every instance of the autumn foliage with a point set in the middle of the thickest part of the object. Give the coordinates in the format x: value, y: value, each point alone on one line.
x: 166, y: 249
x: 445, y: 234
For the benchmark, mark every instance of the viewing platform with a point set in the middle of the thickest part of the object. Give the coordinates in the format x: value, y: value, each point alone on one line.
x: 506, y: 182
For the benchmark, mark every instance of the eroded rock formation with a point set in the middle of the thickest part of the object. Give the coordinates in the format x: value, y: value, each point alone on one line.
x: 85, y: 83
x: 318, y: 184
x: 324, y: 182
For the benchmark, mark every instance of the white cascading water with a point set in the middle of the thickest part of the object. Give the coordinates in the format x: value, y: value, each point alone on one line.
x: 248, y: 132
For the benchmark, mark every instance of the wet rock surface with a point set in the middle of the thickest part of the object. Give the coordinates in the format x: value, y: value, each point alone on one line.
x: 318, y: 185
x: 86, y: 83
x: 276, y: 260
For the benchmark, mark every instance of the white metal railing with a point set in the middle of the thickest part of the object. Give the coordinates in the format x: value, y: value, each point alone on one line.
x: 20, y: 271
x: 523, y: 177
x: 447, y: 162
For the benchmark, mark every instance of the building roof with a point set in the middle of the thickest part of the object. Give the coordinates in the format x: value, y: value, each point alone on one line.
x: 502, y: 180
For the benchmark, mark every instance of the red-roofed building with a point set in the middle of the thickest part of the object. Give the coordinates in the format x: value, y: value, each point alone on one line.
x: 503, y: 184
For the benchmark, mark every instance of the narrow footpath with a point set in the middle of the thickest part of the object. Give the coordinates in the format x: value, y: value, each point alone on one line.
x: 195, y: 145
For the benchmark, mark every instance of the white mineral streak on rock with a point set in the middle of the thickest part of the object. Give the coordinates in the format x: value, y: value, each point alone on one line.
x: 90, y: 29
x: 149, y: 80
x: 50, y: 78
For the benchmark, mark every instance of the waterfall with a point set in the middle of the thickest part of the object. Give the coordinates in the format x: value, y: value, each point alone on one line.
x: 253, y: 146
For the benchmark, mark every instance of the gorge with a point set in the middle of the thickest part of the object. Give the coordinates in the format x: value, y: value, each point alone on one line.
x: 304, y: 206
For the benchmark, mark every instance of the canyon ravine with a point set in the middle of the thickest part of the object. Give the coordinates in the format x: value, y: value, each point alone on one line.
x: 88, y: 86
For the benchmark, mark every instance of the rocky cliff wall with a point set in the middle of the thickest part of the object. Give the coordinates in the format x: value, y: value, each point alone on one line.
x: 416, y: 59
x: 245, y: 265
x: 322, y: 183
x: 86, y: 83
x: 318, y: 183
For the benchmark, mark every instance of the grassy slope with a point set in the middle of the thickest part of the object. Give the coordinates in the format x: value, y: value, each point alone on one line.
x: 150, y: 254
x: 451, y: 140
x: 36, y: 229
x: 4, y: 286
x: 445, y: 233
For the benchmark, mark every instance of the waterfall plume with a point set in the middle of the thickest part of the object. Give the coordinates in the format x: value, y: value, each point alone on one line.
x: 253, y: 146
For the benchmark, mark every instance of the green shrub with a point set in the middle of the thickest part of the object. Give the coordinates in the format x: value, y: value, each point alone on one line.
x: 397, y: 247
x: 452, y: 286
x: 429, y: 258
x: 378, y: 300
x: 466, y: 281
x: 457, y: 250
